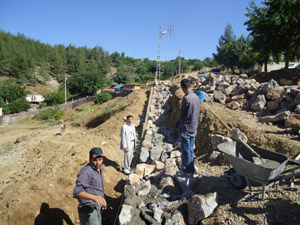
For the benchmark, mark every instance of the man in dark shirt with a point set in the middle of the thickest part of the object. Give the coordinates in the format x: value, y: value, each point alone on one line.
x: 188, y: 124
x: 89, y: 189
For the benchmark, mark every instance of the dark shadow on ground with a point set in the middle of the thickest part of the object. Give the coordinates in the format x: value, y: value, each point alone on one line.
x: 274, y: 211
x: 109, y: 215
x: 51, y: 216
x: 107, y: 162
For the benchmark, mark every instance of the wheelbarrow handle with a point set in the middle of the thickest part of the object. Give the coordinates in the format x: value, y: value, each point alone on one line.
x: 221, y: 120
x: 240, y: 140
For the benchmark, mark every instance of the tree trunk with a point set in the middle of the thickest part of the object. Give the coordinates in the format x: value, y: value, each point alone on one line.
x: 287, y: 57
x: 232, y: 69
x: 266, y: 64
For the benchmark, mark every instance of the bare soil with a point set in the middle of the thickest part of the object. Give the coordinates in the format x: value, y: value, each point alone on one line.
x: 43, y: 168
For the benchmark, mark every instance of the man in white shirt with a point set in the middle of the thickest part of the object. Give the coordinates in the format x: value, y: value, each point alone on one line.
x: 128, y: 141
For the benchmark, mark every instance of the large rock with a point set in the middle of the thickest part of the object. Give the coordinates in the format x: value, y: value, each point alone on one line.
x: 144, y: 154
x: 233, y: 105
x: 259, y: 103
x: 176, y: 219
x: 219, y: 96
x: 229, y: 89
x: 171, y: 167
x: 144, y: 170
x: 144, y: 189
x: 271, y: 84
x: 134, y: 178
x: 175, y: 154
x: 125, y: 215
x: 273, y: 106
x: 280, y: 117
x: 216, y: 139
x: 200, y: 207
x: 158, y: 165
x: 155, y: 153
x: 167, y: 185
x: 274, y: 93
x: 146, y: 144
x: 293, y: 122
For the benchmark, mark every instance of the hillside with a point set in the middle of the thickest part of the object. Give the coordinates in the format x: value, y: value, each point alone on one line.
x: 42, y: 167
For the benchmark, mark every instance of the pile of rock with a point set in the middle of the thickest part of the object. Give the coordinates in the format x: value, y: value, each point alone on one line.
x: 155, y: 194
x: 271, y: 102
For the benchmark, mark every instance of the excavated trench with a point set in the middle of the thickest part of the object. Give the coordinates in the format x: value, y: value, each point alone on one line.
x: 155, y: 195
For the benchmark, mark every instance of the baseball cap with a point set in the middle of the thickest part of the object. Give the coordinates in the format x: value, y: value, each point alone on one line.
x: 96, y: 152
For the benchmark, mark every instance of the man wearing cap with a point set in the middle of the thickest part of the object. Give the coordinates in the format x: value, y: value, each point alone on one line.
x: 128, y: 140
x: 89, y: 189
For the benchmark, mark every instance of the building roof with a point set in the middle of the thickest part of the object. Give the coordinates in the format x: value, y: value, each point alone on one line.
x: 118, y: 86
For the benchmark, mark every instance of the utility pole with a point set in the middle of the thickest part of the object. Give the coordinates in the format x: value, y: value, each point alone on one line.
x: 65, y: 88
x: 179, y: 66
x: 162, y: 30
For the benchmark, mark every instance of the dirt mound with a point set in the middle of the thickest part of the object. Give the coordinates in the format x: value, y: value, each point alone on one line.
x: 42, y: 170
x: 263, y: 135
x: 277, y: 75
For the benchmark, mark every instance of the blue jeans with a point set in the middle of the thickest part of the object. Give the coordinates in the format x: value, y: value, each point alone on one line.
x: 187, y: 151
x: 92, y: 218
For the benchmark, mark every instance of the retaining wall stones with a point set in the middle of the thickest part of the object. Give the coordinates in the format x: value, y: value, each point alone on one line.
x: 155, y: 194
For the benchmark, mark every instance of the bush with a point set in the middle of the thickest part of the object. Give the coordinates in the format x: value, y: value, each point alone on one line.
x: 19, y: 105
x: 102, y: 97
x: 46, y: 114
x: 54, y: 98
x: 58, y: 115
x: 11, y: 91
x: 3, y: 106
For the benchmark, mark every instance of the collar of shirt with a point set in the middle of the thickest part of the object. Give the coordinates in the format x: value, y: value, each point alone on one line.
x: 94, y: 168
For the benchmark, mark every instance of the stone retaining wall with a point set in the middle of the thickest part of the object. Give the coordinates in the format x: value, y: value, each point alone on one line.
x: 155, y: 194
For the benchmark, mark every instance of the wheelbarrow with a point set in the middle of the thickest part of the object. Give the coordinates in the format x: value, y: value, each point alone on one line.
x: 244, y: 169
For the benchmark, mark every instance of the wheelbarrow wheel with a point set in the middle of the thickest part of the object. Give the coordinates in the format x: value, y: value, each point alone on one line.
x: 236, y: 180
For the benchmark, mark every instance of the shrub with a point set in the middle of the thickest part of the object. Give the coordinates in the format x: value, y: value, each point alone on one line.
x: 58, y: 115
x: 46, y: 114
x: 54, y: 98
x: 19, y: 105
x: 102, y: 97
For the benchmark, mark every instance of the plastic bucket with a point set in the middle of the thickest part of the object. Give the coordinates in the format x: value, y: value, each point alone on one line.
x: 201, y: 95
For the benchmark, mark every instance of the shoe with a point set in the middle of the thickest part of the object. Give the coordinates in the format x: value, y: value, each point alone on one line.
x: 196, y: 169
x: 126, y: 172
x: 184, y: 174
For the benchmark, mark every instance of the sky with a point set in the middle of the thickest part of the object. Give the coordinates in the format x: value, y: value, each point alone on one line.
x: 129, y: 26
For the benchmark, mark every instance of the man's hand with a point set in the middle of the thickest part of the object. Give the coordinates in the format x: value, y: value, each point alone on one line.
x: 125, y: 148
x: 100, y: 201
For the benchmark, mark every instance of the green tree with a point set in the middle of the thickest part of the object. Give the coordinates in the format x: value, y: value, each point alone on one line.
x: 3, y: 106
x: 54, y: 98
x: 10, y: 91
x: 19, y: 105
x: 86, y: 82
x: 275, y: 29
x: 228, y: 49
x: 102, y: 97
x: 122, y: 77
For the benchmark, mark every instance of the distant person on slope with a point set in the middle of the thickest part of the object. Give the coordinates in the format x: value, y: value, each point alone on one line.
x: 188, y: 124
x: 89, y: 190
x: 128, y: 142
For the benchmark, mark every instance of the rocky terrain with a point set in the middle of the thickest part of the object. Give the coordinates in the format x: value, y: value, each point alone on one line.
x: 41, y: 167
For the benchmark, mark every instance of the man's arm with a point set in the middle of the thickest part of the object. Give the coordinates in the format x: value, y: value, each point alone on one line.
x: 123, y: 138
x: 184, y: 108
x: 98, y: 199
